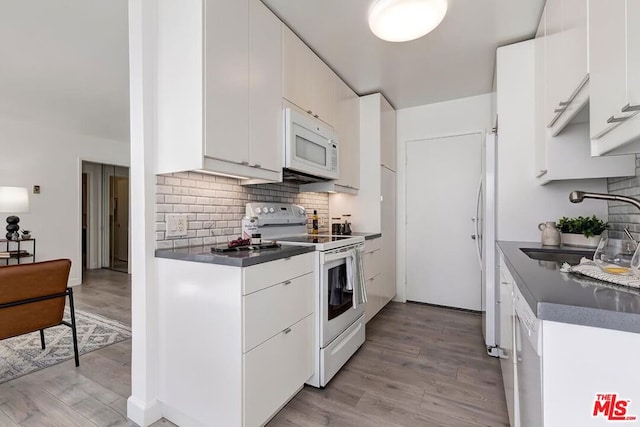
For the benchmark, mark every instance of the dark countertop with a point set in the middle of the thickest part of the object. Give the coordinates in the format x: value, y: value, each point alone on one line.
x: 569, y: 298
x: 235, y: 259
x: 367, y: 236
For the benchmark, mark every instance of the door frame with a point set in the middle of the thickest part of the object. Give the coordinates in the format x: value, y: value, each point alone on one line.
x: 97, y: 241
x: 401, y: 295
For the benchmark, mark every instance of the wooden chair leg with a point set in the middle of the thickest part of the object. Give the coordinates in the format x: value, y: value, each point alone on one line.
x: 42, y: 338
x: 73, y: 327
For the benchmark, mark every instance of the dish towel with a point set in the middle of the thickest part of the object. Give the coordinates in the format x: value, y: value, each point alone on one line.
x: 355, y: 275
x: 590, y: 269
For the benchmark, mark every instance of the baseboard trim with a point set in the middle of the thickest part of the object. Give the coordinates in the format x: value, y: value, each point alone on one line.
x: 178, y: 417
x: 143, y: 413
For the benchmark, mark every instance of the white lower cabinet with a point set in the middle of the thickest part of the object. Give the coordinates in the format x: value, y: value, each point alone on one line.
x: 559, y: 374
x: 275, y: 370
x: 506, y: 343
x: 237, y: 343
x: 373, y: 278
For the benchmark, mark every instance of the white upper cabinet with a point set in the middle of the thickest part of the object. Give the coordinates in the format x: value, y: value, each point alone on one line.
x: 323, y: 98
x: 226, y: 80
x: 218, y: 107
x: 562, y: 86
x: 297, y: 60
x: 265, y: 88
x: 306, y: 80
x: 387, y: 135
x: 540, y: 98
x: 614, y: 37
x: 347, y: 127
x: 567, y: 68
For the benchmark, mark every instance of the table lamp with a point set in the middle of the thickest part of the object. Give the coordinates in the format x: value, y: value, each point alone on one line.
x: 13, y: 200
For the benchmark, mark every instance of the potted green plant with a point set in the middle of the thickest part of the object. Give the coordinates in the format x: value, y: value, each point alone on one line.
x: 581, y: 231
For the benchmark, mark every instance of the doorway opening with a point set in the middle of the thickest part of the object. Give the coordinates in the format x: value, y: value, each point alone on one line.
x: 105, y: 216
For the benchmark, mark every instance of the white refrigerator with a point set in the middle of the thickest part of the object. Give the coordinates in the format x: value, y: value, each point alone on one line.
x: 485, y: 236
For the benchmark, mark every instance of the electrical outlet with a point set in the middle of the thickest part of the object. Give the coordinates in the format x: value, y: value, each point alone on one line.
x: 176, y: 225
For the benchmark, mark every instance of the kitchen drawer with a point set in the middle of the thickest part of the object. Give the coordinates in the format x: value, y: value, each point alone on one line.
x: 269, y: 273
x: 275, y: 370
x: 275, y: 308
x: 371, y: 264
x: 372, y: 258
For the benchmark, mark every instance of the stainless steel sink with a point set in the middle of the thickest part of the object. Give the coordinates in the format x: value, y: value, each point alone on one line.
x: 571, y: 256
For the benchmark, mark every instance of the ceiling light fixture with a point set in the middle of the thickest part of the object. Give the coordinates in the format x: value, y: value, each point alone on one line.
x: 404, y: 20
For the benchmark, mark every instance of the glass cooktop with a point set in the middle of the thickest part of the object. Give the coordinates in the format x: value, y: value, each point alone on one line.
x: 314, y: 239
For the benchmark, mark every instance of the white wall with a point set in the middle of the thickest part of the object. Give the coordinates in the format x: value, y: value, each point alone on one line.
x: 36, y: 155
x: 428, y: 121
x: 522, y: 202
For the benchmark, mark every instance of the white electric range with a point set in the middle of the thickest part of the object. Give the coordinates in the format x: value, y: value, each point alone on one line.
x: 340, y: 293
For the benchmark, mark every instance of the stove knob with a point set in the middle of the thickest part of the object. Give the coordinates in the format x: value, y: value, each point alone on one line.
x: 271, y: 210
x: 265, y: 209
x: 258, y: 211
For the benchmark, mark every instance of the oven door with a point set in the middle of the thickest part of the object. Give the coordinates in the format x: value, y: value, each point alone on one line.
x: 338, y: 307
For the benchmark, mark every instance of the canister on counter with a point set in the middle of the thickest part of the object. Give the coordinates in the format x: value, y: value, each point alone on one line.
x: 249, y: 227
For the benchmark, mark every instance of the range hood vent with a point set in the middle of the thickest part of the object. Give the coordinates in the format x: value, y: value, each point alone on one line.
x: 326, y: 187
x: 289, y: 175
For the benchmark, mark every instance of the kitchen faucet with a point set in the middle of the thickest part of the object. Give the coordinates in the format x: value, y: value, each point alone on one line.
x: 579, y: 196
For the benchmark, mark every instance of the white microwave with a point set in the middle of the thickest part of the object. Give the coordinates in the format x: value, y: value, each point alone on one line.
x: 310, y: 146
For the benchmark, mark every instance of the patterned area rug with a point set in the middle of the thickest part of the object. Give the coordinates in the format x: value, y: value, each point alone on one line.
x: 23, y: 354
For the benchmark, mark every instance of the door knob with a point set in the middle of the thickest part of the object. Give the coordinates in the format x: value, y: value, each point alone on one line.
x: 473, y: 237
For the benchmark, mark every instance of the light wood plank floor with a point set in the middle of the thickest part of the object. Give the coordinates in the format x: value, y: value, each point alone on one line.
x: 420, y: 366
x: 94, y: 394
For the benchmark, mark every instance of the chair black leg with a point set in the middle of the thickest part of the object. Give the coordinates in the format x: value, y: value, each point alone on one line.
x: 73, y: 327
x: 42, y: 338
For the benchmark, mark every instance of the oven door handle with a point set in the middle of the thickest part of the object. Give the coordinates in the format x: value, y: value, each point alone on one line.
x: 336, y: 256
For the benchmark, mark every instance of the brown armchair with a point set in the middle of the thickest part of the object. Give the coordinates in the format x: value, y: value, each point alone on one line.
x: 32, y: 298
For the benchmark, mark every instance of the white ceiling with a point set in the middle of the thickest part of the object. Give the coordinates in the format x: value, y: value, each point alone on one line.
x: 64, y: 63
x: 456, y: 60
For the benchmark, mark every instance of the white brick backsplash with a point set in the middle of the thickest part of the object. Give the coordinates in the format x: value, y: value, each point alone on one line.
x: 215, y: 206
x: 622, y: 214
x: 164, y: 189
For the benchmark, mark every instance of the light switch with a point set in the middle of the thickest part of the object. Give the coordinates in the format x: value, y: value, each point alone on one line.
x: 176, y: 225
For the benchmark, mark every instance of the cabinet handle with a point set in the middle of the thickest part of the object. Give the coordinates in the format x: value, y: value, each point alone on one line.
x: 316, y: 116
x: 288, y: 282
x: 309, y: 112
x: 257, y: 165
x: 614, y: 119
x: 287, y: 258
x: 630, y: 107
x: 286, y: 331
x: 541, y: 173
x: 566, y: 103
x: 244, y: 163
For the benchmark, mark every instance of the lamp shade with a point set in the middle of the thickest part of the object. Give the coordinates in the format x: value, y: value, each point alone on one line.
x: 14, y: 200
x: 404, y: 20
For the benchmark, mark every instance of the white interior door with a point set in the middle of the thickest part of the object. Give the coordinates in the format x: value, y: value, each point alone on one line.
x: 442, y: 179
